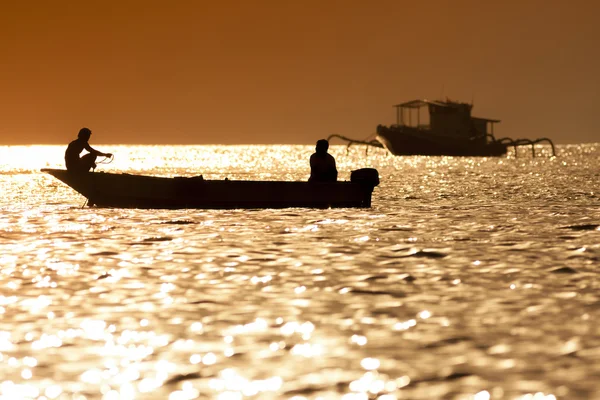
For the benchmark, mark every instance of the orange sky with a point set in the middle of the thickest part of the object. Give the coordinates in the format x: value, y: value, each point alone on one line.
x: 283, y: 71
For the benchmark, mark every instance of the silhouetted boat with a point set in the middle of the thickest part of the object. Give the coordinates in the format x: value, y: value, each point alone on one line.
x: 448, y: 129
x: 104, y: 189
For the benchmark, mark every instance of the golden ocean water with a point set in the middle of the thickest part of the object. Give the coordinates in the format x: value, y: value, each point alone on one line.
x: 469, y: 278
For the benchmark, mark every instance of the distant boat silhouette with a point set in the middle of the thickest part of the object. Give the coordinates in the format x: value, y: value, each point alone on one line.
x: 446, y: 129
x: 450, y: 130
x: 104, y: 189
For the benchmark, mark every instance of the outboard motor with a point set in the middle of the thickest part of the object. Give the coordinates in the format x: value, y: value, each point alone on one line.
x: 365, y: 176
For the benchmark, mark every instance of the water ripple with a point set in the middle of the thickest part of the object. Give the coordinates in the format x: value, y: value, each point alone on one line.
x: 469, y: 278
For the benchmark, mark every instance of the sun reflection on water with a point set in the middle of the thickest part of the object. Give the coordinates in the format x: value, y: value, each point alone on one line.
x: 441, y: 290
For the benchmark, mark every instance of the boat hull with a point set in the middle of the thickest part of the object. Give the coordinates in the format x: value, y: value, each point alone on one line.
x: 139, y: 191
x: 400, y: 140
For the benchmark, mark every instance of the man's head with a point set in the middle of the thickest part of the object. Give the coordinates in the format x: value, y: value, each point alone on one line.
x: 84, y: 133
x: 322, y: 146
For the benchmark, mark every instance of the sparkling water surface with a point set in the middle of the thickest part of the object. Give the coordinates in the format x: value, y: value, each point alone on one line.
x: 469, y: 278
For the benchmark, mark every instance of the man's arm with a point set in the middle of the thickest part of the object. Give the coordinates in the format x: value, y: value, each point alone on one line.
x: 333, y: 172
x: 332, y: 162
x: 94, y: 151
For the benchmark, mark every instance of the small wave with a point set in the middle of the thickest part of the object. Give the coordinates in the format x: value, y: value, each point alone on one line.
x: 584, y: 227
x: 564, y: 270
x: 396, y: 294
x: 426, y: 254
x: 158, y: 239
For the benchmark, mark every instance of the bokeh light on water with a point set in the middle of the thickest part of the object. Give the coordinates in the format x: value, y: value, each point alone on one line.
x: 468, y: 279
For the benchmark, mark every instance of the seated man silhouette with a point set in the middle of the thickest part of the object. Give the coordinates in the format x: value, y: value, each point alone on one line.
x: 322, y: 164
x: 88, y: 161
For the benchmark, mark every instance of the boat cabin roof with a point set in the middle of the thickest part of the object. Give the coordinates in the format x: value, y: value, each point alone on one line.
x: 421, y: 103
x: 486, y: 119
x: 445, y: 104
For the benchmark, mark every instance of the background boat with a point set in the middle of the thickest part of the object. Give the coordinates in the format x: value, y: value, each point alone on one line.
x: 446, y: 128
